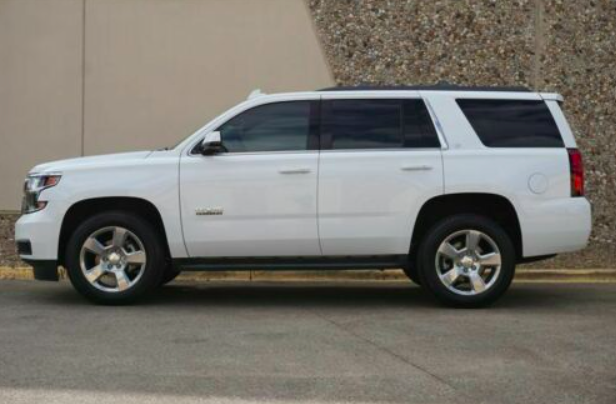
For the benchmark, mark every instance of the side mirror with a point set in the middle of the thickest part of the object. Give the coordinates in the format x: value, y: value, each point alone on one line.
x: 212, y: 144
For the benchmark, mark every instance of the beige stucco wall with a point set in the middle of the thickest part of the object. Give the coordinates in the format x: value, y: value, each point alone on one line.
x: 157, y: 70
x: 152, y: 72
x: 40, y: 88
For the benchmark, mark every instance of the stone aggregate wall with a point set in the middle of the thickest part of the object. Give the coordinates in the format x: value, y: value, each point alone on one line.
x: 549, y: 45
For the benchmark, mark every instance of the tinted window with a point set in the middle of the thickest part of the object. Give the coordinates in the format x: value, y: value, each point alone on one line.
x: 373, y: 124
x: 512, y: 123
x: 419, y: 130
x: 362, y: 124
x: 272, y: 127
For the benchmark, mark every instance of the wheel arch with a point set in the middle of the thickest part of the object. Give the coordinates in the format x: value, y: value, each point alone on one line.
x: 493, y: 206
x: 83, y: 209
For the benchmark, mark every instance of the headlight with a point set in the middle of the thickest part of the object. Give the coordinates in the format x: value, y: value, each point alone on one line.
x: 33, y: 186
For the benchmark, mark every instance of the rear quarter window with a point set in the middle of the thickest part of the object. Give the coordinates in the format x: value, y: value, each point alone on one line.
x: 512, y: 123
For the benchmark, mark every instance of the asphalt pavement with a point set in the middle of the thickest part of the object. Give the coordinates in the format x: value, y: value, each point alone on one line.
x: 360, y: 342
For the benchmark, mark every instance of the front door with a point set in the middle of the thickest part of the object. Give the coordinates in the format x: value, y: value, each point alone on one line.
x: 259, y: 198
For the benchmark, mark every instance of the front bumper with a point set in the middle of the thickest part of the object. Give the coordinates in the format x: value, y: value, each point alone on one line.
x: 37, y: 237
x: 42, y: 230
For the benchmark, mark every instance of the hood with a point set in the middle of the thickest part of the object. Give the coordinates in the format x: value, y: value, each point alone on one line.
x: 92, y: 161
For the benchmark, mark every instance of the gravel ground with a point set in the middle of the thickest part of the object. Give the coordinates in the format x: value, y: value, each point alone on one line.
x: 303, y: 343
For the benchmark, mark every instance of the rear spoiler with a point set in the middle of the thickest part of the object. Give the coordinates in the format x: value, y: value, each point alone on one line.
x: 552, y: 97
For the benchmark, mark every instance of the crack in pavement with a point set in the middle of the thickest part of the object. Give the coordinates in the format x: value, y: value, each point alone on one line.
x: 386, y: 350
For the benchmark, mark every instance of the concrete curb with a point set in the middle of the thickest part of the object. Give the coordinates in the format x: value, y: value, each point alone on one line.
x: 522, y: 275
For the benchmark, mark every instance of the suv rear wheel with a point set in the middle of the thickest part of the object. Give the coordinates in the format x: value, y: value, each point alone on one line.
x: 115, y: 258
x: 466, y: 261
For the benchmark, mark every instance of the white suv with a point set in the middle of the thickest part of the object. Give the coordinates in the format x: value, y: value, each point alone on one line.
x: 454, y: 185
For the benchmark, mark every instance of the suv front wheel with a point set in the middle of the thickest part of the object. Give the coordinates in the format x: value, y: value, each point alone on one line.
x: 466, y: 260
x: 115, y: 258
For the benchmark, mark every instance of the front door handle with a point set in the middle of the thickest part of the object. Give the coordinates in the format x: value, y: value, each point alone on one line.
x: 417, y: 167
x: 299, y: 170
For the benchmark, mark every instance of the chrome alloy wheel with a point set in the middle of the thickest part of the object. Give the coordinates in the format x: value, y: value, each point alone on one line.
x: 468, y: 262
x: 112, y: 259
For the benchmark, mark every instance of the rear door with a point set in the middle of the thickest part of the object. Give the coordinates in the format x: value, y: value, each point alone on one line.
x: 380, y: 161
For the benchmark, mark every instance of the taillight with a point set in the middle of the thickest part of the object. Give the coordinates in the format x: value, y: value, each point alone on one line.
x: 576, y: 169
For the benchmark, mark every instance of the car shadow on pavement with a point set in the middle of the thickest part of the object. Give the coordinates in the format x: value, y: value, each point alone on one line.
x: 329, y: 294
x: 351, y: 295
x: 295, y: 294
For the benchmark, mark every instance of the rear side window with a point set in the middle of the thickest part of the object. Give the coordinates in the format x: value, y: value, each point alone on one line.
x: 362, y: 124
x: 512, y: 123
x: 419, y: 130
x: 376, y: 124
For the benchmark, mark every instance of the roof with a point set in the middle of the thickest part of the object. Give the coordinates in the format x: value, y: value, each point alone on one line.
x: 429, y: 87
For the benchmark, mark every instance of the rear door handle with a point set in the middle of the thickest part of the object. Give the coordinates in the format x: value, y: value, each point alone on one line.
x: 298, y: 170
x: 417, y: 167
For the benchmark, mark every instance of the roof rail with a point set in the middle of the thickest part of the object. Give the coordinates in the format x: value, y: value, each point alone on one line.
x: 441, y: 86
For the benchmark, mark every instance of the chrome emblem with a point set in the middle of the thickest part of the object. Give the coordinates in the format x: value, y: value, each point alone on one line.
x: 208, y: 211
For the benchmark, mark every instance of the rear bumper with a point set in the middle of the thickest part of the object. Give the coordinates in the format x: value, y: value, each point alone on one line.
x: 44, y: 270
x: 556, y: 226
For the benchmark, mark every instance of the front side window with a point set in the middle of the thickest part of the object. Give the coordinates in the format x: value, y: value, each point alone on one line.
x: 283, y: 126
x: 512, y: 123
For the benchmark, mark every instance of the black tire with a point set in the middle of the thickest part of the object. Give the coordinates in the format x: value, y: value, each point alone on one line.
x: 152, y: 272
x: 427, y: 255
x: 169, y: 275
